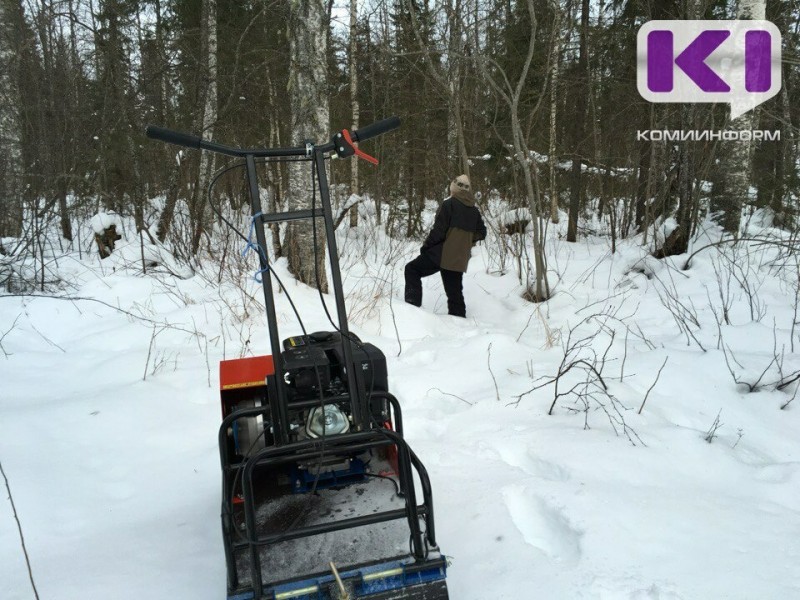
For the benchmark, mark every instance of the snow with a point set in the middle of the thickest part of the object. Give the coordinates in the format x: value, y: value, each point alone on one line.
x: 516, y: 215
x: 108, y: 423
x: 103, y: 220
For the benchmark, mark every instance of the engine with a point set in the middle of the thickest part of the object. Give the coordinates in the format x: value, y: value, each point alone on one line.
x: 313, y: 370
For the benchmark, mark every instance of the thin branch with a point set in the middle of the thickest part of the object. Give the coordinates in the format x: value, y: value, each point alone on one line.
x: 6, y: 354
x: 394, y: 320
x: 650, y: 389
x: 760, y: 241
x: 19, y: 529
x: 489, y: 364
x: 46, y: 339
x: 789, y: 401
x: 453, y: 395
x: 523, y: 329
x: 117, y: 308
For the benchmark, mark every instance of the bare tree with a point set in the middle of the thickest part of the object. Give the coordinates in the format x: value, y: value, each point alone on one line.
x: 510, y: 94
x: 448, y: 78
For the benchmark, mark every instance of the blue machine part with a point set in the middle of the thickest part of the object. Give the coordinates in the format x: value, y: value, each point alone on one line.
x: 303, y: 480
x: 366, y: 582
x: 235, y: 428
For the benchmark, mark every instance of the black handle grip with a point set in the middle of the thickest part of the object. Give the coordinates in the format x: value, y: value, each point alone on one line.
x: 173, y: 137
x: 377, y: 128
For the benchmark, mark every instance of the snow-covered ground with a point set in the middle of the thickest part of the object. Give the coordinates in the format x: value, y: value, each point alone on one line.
x: 109, y: 411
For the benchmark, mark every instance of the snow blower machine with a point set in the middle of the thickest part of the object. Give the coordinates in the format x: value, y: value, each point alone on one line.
x: 320, y: 491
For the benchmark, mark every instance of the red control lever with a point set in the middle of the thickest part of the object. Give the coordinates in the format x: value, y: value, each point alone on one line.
x: 359, y: 153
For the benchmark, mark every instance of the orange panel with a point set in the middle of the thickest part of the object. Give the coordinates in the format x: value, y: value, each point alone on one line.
x: 245, y: 372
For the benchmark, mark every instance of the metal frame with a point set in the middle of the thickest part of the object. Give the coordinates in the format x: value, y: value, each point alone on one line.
x: 363, y: 436
x: 355, y: 391
x: 275, y: 456
x: 361, y: 439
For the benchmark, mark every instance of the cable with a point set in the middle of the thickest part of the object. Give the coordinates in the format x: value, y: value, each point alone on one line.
x: 348, y: 336
x: 263, y: 255
x: 262, y: 251
x: 354, y: 339
x: 378, y: 426
x: 212, y: 183
x: 397, y: 491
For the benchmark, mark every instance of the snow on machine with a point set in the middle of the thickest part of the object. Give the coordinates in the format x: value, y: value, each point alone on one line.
x: 320, y: 491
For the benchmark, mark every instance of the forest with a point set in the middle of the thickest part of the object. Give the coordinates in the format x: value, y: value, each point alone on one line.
x: 535, y: 100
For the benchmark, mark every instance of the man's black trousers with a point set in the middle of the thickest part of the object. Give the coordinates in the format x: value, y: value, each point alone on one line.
x: 422, y: 266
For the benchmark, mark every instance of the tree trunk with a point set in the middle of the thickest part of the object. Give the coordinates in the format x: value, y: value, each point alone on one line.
x: 642, y: 187
x: 576, y: 189
x: 63, y: 211
x: 10, y: 151
x: 276, y: 167
x: 165, y: 219
x: 354, y: 109
x: 208, y: 122
x: 736, y: 157
x: 310, y: 121
x: 686, y: 184
x: 784, y: 158
x: 453, y: 85
x: 554, y: 73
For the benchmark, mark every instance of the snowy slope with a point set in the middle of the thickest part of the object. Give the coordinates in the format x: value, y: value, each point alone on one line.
x: 108, y: 425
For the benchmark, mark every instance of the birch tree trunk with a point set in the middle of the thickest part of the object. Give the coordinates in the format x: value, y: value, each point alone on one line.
x: 276, y: 168
x: 310, y: 121
x: 209, y: 119
x: 736, y: 157
x: 785, y: 157
x: 553, y: 114
x: 353, y: 106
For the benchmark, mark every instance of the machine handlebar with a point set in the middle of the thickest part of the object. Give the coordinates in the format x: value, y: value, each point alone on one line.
x: 375, y: 129
x: 173, y: 137
x: 191, y: 141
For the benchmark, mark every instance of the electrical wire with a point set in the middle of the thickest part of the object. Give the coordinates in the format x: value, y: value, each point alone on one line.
x: 261, y: 250
x: 352, y: 338
x: 397, y: 491
x: 262, y: 253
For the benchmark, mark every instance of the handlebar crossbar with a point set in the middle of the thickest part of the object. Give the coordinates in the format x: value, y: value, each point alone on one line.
x: 191, y: 141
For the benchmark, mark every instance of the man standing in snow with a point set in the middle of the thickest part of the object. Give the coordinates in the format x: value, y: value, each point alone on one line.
x: 458, y: 226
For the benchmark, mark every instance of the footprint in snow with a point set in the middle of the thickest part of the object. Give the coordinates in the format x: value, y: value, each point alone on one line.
x: 632, y: 588
x: 525, y: 459
x: 542, y: 526
x: 778, y: 472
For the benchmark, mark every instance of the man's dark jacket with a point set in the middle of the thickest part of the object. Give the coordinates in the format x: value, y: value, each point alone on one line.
x: 457, y: 227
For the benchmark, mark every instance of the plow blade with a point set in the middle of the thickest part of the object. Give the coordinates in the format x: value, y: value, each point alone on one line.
x: 391, y: 580
x: 436, y: 590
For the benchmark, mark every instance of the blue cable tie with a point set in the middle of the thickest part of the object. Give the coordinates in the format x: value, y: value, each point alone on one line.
x: 254, y: 245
